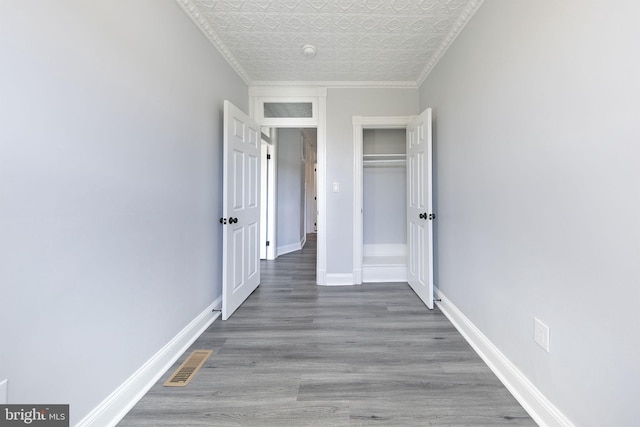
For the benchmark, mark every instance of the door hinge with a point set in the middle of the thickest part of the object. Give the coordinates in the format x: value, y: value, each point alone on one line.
x: 268, y: 243
x: 268, y: 156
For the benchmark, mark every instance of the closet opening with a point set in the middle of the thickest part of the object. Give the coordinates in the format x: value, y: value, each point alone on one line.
x: 380, y: 242
x: 384, y: 205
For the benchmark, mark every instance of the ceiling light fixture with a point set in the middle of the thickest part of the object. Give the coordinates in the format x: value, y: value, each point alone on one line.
x: 309, y: 51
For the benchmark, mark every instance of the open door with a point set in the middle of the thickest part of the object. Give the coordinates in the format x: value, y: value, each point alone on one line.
x: 420, y: 214
x: 241, y: 209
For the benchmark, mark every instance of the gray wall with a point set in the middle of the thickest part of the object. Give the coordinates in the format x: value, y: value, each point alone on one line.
x: 110, y: 190
x: 290, y: 228
x: 342, y: 105
x: 537, y: 141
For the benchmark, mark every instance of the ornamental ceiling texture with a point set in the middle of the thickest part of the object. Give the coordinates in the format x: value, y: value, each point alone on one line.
x: 365, y: 42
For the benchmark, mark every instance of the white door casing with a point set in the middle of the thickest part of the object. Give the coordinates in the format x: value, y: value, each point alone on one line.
x: 264, y: 152
x: 420, y: 207
x: 318, y: 97
x: 241, y: 208
x: 359, y: 124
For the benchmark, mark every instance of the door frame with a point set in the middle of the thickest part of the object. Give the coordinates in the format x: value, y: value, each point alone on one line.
x: 360, y: 123
x: 318, y: 96
x: 268, y: 198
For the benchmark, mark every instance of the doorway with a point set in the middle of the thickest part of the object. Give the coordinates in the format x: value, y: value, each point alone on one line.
x: 300, y: 107
x: 418, y: 211
x: 390, y: 263
x: 289, y: 189
x: 384, y: 202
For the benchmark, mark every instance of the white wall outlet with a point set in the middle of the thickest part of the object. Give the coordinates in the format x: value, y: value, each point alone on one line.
x: 541, y: 334
x: 4, y: 394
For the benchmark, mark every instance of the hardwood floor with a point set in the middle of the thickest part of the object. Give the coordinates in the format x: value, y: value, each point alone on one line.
x: 298, y: 354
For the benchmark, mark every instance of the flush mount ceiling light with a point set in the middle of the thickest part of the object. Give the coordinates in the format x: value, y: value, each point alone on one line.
x: 309, y: 51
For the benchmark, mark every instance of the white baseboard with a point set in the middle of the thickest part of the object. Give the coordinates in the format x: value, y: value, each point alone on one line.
x: 532, y: 400
x: 384, y: 273
x: 321, y: 277
x: 357, y: 276
x: 282, y: 250
x: 4, y: 392
x: 339, y: 279
x: 118, y: 403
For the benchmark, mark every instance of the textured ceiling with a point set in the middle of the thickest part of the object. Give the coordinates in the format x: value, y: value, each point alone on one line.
x: 374, y: 42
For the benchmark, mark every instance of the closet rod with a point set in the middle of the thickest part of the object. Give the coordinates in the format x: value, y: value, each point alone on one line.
x: 384, y: 162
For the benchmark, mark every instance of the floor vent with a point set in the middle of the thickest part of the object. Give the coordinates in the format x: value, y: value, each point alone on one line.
x: 185, y: 373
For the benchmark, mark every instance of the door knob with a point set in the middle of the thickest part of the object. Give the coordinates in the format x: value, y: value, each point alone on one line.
x: 432, y: 216
x: 423, y: 215
x: 223, y: 221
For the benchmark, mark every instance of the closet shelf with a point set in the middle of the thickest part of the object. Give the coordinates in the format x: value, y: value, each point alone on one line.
x: 384, y: 159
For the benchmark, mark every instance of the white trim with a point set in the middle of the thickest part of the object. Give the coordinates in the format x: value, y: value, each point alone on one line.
x: 4, y: 392
x: 217, y: 306
x: 111, y: 410
x: 384, y: 273
x: 255, y: 93
x: 359, y: 124
x: 533, y: 401
x: 321, y: 152
x: 358, y: 233
x: 357, y: 276
x: 282, y: 250
x: 202, y: 23
x: 321, y: 277
x: 457, y: 28
x: 401, y: 84
x: 339, y: 279
x: 272, y: 197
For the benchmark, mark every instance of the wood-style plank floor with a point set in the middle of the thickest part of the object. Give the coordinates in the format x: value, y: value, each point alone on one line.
x: 298, y: 354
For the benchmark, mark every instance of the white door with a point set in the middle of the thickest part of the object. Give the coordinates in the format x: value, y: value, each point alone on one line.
x: 419, y: 211
x: 241, y: 209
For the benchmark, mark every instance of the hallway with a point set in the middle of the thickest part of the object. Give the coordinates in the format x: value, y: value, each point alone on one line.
x: 298, y: 354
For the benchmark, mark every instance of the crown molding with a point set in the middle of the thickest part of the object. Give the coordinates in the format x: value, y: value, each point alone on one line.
x: 340, y: 84
x: 193, y: 12
x: 457, y: 28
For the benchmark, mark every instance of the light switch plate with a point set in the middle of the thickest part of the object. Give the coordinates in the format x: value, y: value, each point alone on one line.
x: 541, y: 334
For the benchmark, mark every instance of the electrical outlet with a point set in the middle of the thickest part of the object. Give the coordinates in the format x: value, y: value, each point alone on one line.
x: 4, y: 385
x: 541, y: 334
